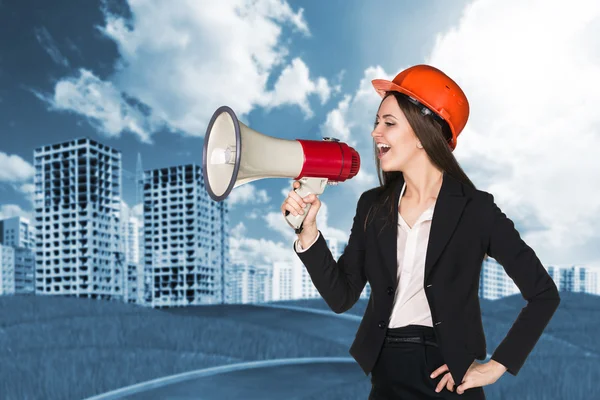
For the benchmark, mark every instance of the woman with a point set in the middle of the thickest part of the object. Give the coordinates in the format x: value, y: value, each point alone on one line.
x: 420, y: 239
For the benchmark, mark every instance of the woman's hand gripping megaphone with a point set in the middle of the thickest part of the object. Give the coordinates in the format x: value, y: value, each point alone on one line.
x: 302, y: 204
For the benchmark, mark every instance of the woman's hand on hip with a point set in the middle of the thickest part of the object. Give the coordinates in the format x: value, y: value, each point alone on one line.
x: 481, y: 374
x: 478, y: 374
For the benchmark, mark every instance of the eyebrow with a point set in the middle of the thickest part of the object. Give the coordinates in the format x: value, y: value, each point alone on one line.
x: 387, y: 115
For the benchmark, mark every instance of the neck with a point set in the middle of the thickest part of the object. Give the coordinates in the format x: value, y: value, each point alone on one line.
x: 422, y: 184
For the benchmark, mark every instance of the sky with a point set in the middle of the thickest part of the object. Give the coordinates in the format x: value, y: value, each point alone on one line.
x: 145, y: 76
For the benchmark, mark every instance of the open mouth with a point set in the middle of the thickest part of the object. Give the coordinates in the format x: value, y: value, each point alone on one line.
x: 383, y: 149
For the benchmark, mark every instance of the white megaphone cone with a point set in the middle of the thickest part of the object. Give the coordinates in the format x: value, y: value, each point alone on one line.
x: 235, y: 154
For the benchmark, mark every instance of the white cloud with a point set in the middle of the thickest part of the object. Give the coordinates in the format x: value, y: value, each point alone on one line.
x: 14, y: 169
x: 239, y: 230
x: 102, y: 104
x: 366, y: 179
x: 336, y: 124
x: 49, y: 45
x: 529, y: 69
x: 202, y: 55
x: 13, y: 210
x: 293, y: 87
x: 29, y: 190
x: 138, y: 212
x: 532, y: 138
x: 247, y: 194
x: 258, y: 252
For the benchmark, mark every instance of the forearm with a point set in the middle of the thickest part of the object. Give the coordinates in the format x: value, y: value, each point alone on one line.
x: 527, y: 330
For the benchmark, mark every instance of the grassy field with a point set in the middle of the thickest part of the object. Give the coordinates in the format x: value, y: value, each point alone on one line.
x: 68, y: 348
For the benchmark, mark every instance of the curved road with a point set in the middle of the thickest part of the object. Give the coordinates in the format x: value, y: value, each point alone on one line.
x: 271, y: 379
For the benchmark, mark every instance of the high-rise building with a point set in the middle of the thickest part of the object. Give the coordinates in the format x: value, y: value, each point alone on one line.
x: 16, y: 232
x: 77, y: 205
x: 186, y: 242
x: 283, y: 281
x: 241, y: 284
x: 24, y: 271
x: 7, y: 270
x: 129, y: 245
x: 264, y: 284
x: 575, y: 278
x: 494, y: 283
x: 130, y: 235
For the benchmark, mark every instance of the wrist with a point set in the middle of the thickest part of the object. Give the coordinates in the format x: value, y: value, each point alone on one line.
x: 498, y: 365
x: 308, y: 235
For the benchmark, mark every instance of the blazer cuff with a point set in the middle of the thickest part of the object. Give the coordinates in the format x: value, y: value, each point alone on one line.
x: 512, y: 367
x: 299, y: 248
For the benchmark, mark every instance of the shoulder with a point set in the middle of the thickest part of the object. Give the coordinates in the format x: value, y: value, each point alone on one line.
x: 479, y: 195
x: 484, y: 205
x: 370, y: 196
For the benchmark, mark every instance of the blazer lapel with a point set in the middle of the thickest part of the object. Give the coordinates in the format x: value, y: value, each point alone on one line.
x: 446, y: 214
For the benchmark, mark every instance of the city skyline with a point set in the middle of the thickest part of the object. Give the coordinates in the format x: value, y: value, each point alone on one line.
x: 153, y: 265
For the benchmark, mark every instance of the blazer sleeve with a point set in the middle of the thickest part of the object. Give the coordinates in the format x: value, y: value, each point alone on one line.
x: 537, y: 288
x: 340, y: 282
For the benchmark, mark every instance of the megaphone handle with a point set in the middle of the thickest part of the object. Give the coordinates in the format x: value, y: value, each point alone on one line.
x: 307, y: 186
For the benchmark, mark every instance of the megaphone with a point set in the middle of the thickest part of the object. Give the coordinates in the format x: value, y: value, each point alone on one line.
x: 235, y: 154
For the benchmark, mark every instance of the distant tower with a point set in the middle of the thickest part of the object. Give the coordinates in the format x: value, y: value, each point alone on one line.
x: 139, y: 181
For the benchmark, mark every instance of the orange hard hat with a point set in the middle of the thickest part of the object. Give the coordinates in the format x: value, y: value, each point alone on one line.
x: 434, y: 90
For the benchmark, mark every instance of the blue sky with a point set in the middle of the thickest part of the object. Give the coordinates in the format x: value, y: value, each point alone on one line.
x: 145, y: 78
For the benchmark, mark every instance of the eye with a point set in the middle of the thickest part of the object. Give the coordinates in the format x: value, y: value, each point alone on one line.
x: 389, y: 124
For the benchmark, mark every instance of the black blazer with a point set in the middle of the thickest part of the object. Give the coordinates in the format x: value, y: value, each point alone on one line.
x: 466, y: 225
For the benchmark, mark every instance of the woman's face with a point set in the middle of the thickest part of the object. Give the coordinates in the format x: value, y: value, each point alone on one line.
x: 392, y: 129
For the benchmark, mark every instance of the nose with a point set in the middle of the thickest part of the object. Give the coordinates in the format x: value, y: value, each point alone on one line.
x: 375, y: 132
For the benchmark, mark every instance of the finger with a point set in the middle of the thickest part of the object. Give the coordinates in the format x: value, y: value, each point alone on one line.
x: 296, y: 184
x: 293, y: 207
x: 450, y: 384
x: 463, y: 386
x: 296, y: 196
x: 441, y: 383
x: 439, y: 370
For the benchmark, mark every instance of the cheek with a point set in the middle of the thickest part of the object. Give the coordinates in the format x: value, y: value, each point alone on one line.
x: 400, y: 142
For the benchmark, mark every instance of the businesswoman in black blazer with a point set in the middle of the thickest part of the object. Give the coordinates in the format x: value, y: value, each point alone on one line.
x: 420, y: 239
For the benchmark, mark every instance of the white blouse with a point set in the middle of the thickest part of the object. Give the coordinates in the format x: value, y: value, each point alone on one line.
x: 410, y: 303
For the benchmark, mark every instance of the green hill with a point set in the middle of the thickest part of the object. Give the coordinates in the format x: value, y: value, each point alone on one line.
x: 71, y: 348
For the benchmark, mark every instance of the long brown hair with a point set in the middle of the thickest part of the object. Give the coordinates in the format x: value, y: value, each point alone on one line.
x: 435, y: 138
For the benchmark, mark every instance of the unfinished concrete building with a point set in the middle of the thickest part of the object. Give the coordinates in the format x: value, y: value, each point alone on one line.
x: 77, y: 204
x: 186, y: 242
